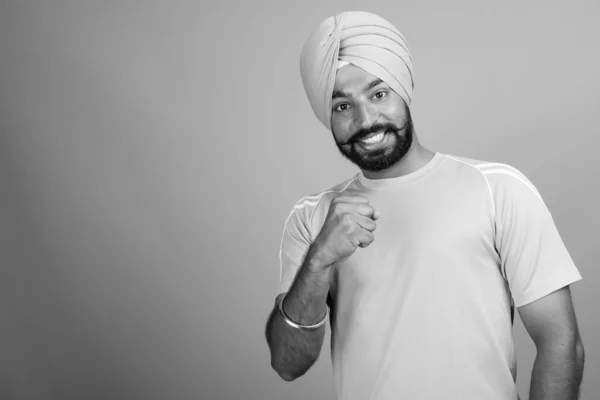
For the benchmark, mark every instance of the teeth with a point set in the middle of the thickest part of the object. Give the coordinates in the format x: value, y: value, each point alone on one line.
x: 375, y: 139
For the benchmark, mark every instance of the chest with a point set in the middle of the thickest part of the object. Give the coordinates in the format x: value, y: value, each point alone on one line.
x: 439, y: 231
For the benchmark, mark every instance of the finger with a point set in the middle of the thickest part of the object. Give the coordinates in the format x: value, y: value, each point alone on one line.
x: 366, y: 223
x: 376, y: 215
x: 366, y: 210
x: 365, y: 238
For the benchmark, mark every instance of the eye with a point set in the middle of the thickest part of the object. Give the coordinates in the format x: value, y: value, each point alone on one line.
x: 380, y: 94
x: 341, y: 107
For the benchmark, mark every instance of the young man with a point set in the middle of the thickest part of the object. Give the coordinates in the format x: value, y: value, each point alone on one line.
x: 421, y: 257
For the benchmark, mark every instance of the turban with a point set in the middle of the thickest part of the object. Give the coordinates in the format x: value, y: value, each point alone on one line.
x: 360, y: 38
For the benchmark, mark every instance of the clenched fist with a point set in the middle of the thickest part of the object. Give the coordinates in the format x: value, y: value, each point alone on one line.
x: 349, y: 224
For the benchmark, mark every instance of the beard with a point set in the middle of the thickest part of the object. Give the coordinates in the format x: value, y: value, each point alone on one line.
x: 379, y: 159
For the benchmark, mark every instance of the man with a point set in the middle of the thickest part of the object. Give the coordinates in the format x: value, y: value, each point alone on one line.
x: 421, y: 257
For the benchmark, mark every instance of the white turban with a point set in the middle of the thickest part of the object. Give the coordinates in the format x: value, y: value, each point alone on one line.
x: 360, y: 38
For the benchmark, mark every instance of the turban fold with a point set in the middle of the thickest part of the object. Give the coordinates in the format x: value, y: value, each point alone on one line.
x: 360, y: 38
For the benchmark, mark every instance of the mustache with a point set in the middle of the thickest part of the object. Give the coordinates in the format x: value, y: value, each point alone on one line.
x: 377, y: 127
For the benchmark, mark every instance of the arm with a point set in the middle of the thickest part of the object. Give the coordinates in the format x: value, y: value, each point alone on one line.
x: 349, y: 224
x: 294, y: 351
x: 539, y: 269
x: 558, y: 367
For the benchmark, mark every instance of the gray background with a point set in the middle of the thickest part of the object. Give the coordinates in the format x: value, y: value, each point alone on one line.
x: 150, y: 152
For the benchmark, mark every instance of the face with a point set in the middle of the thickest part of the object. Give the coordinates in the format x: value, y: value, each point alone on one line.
x: 371, y: 123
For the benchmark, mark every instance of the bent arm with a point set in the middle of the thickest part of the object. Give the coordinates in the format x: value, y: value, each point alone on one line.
x: 293, y: 350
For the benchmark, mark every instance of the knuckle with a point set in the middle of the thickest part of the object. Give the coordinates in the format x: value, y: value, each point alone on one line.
x: 347, y: 219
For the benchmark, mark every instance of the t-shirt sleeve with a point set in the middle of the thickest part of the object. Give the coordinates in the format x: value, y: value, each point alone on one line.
x: 294, y: 244
x: 534, y: 259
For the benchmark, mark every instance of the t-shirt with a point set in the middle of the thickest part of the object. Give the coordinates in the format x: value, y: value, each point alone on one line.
x: 426, y: 310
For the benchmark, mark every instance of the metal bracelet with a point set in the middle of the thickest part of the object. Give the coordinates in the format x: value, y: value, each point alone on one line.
x: 295, y: 325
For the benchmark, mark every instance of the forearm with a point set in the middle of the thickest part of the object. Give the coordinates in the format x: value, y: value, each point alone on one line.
x: 293, y: 350
x: 557, y: 373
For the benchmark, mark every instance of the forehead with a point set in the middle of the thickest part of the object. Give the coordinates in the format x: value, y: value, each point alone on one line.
x: 350, y: 78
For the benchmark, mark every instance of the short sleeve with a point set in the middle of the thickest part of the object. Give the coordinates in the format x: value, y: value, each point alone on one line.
x: 294, y: 244
x: 534, y: 259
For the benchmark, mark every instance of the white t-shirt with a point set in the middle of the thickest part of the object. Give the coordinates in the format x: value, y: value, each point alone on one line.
x: 426, y: 311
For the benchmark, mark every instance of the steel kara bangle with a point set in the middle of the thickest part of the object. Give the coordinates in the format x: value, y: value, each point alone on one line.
x: 298, y: 326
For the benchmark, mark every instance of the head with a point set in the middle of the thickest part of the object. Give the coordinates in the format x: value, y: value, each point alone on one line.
x: 357, y: 72
x: 370, y: 122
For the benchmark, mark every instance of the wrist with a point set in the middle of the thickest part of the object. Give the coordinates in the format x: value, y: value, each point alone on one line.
x: 316, y: 262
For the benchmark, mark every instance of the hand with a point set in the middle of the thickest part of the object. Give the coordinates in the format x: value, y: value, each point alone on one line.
x: 349, y: 224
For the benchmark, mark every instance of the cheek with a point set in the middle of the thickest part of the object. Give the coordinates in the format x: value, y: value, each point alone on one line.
x: 394, y: 111
x: 341, y: 130
x: 400, y: 110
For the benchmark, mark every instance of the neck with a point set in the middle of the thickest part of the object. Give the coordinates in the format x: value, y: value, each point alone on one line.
x: 416, y: 158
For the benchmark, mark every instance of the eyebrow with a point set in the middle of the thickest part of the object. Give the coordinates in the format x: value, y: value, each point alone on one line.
x: 338, y: 93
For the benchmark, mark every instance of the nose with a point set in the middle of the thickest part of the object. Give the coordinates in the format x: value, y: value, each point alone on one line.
x: 364, y: 115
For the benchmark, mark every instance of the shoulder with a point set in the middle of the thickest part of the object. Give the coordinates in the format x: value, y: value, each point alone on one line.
x: 464, y: 166
x: 482, y: 166
x: 498, y: 175
x: 507, y: 185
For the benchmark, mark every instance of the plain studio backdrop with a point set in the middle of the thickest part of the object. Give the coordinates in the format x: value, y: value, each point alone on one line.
x: 150, y: 152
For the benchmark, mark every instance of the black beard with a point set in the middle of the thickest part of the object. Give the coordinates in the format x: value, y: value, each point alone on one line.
x: 382, y: 159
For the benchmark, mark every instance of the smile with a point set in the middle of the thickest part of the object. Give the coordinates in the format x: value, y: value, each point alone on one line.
x: 374, y: 139
x: 375, y: 142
